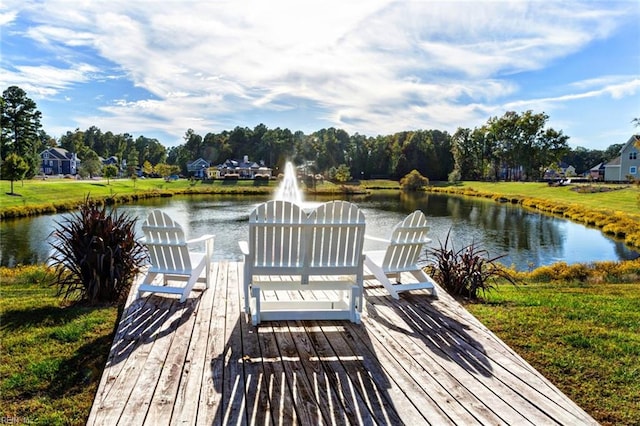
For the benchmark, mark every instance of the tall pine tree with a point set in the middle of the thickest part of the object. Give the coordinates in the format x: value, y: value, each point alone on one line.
x: 20, y: 121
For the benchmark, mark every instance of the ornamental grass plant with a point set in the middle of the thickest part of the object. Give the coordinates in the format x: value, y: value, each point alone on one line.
x: 96, y: 254
x: 468, y: 271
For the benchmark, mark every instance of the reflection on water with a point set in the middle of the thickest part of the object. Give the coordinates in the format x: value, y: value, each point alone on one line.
x: 529, y: 239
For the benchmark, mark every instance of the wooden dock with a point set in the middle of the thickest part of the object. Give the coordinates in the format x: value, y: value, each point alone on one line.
x: 415, y: 361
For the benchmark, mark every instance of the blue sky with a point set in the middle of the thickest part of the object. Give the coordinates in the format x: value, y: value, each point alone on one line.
x: 158, y: 68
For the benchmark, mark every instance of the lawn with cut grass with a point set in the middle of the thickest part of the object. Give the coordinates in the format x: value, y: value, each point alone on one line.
x: 585, y: 338
x: 60, y: 193
x: 52, y: 353
x: 623, y: 198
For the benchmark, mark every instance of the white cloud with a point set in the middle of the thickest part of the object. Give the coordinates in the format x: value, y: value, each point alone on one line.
x: 606, y: 87
x: 7, y: 18
x: 46, y: 81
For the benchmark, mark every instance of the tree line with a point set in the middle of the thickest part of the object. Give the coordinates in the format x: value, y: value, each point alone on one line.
x: 516, y: 146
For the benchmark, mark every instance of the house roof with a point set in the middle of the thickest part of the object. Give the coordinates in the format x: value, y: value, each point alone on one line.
x: 631, y: 142
x: 232, y: 164
x: 615, y: 162
x: 197, y: 164
x: 59, y: 153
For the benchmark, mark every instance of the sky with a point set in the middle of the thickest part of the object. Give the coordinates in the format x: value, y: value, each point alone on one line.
x: 373, y: 67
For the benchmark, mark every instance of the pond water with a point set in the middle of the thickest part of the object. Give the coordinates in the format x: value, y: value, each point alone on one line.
x: 528, y: 239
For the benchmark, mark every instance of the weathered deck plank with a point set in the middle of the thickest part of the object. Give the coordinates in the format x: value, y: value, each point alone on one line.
x: 412, y: 361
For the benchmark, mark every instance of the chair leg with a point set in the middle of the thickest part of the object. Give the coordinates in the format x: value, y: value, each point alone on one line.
x: 207, y: 274
x: 382, y: 278
x: 193, y: 278
x: 255, y: 296
x: 355, y: 304
x: 209, y: 253
x: 422, y: 277
x: 148, y: 279
x: 247, y: 293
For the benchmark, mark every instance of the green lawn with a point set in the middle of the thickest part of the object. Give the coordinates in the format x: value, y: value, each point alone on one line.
x: 52, y: 355
x: 58, y: 191
x: 583, y: 337
x: 622, y: 198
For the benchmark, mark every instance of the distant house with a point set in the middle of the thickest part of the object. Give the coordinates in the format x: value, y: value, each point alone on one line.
x: 568, y: 170
x: 198, y: 168
x: 244, y: 169
x: 113, y: 161
x: 59, y: 161
x: 597, y: 172
x: 565, y: 171
x: 627, y: 164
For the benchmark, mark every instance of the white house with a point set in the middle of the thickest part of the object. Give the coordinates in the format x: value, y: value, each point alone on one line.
x: 244, y: 169
x: 198, y: 168
x: 627, y: 164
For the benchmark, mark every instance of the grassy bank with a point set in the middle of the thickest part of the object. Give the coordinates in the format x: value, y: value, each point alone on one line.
x: 595, y: 197
x: 582, y: 336
x: 34, y: 197
x: 613, y: 208
x: 57, y: 195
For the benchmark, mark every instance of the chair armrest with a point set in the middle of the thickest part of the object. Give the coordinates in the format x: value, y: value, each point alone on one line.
x: 244, y: 247
x: 372, y: 238
x: 207, y: 239
x: 200, y: 239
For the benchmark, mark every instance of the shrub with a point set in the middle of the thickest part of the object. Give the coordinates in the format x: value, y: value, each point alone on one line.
x: 96, y: 255
x: 597, y: 272
x: 468, y: 271
x: 413, y: 181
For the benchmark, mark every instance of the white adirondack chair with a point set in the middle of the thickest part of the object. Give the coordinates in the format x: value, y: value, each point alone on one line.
x: 171, y: 258
x: 299, y: 267
x: 401, y: 256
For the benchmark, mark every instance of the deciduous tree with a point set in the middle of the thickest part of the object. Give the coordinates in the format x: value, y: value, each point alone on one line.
x: 14, y: 168
x: 90, y: 164
x: 109, y: 172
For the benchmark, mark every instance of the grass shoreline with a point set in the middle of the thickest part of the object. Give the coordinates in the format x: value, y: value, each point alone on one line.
x: 615, y: 212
